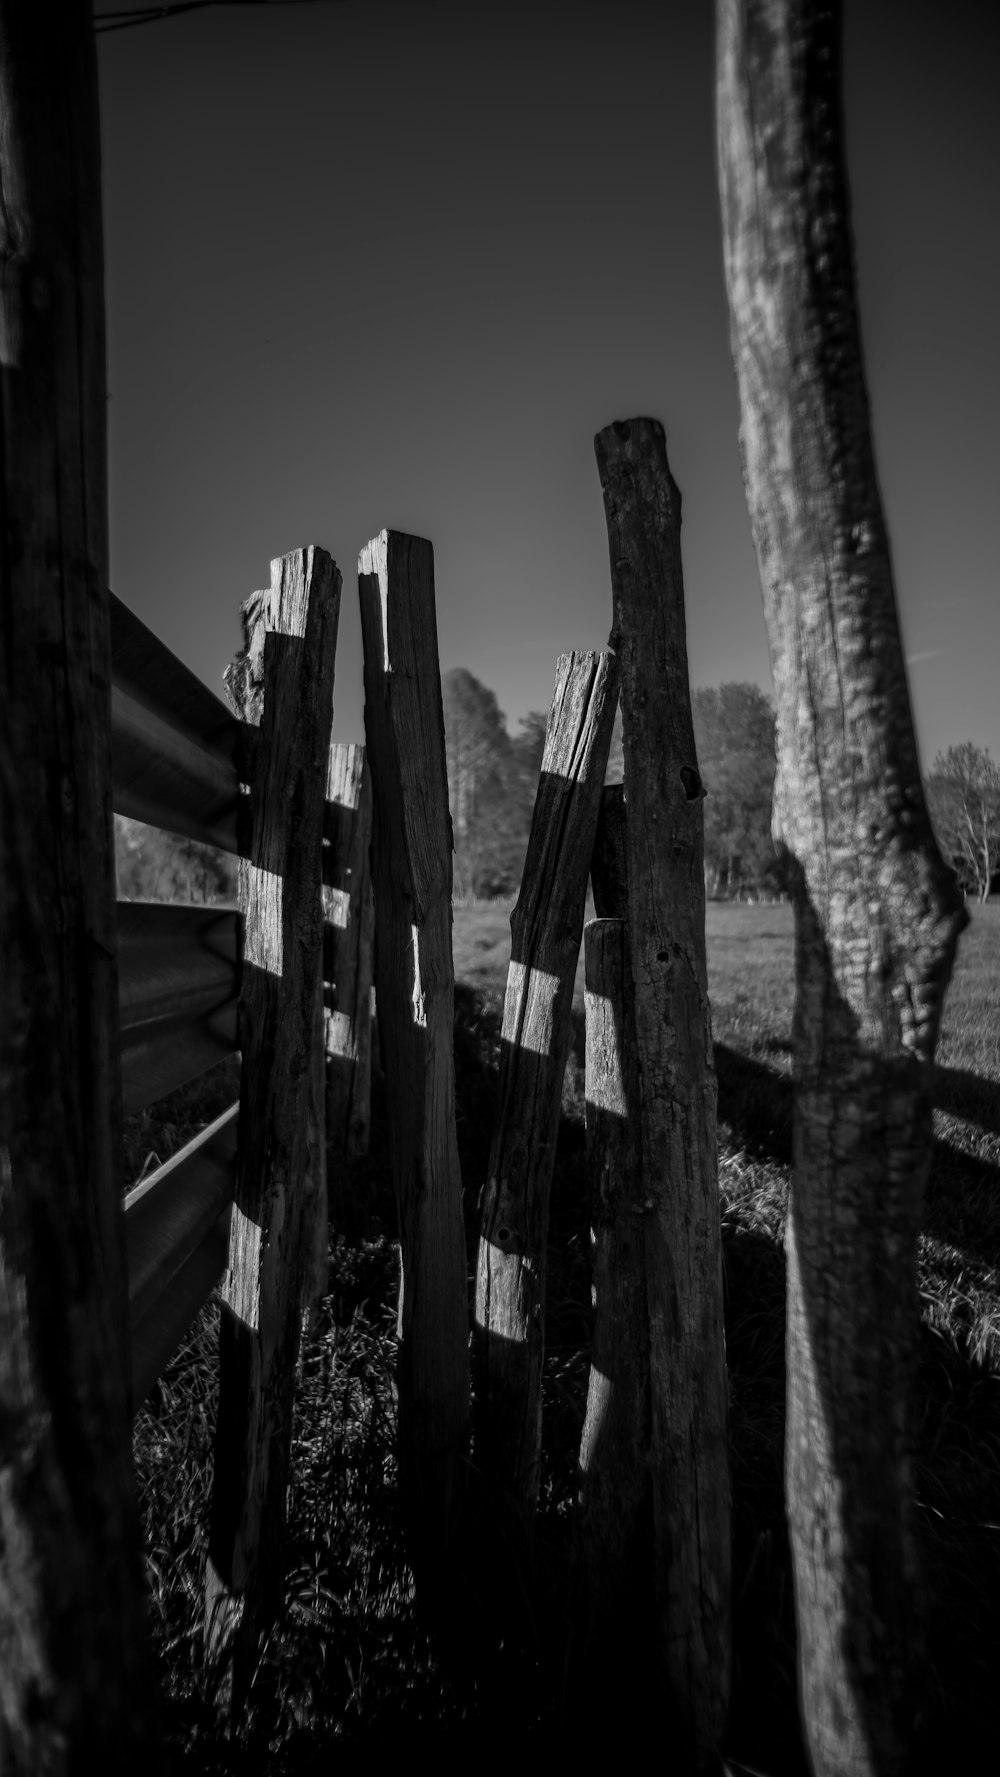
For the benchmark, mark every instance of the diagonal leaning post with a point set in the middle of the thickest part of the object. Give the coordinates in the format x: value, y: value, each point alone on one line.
x: 546, y: 927
x: 281, y: 685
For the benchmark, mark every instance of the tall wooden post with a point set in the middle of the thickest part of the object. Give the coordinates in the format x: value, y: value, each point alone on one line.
x: 613, y: 1664
x: 675, y: 1091
x: 75, y: 1684
x: 348, y: 932
x: 877, y: 915
x: 415, y: 990
x: 282, y: 687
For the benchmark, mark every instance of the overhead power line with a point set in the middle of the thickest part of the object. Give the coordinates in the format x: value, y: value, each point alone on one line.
x: 151, y: 15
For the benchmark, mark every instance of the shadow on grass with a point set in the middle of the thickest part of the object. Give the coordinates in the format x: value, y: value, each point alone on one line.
x: 961, y: 1093
x: 958, y: 1458
x: 755, y: 1101
x: 366, y: 1673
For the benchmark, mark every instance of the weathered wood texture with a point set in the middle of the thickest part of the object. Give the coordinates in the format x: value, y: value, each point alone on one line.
x: 173, y: 742
x: 348, y: 933
x: 415, y: 989
x: 546, y: 927
x: 75, y: 1687
x: 614, y: 1632
x: 169, y: 1218
x: 676, y: 1087
x: 282, y: 686
x: 877, y: 915
x: 178, y: 979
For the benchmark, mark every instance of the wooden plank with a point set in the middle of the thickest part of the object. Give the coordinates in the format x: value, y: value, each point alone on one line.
x: 178, y: 977
x: 282, y: 686
x: 168, y: 1215
x: 414, y: 979
x: 76, y: 1689
x: 546, y: 927
x: 348, y: 933
x: 688, y: 1450
x: 173, y: 741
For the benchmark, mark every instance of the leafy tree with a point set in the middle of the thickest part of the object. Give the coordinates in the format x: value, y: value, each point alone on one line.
x: 528, y: 747
x: 153, y: 865
x: 734, y: 735
x: 963, y: 795
x: 488, y: 781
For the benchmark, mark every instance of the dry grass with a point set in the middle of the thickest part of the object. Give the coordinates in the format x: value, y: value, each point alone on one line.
x: 349, y: 1663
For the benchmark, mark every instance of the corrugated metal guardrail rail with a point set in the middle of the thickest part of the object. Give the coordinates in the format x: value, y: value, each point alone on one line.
x: 173, y: 751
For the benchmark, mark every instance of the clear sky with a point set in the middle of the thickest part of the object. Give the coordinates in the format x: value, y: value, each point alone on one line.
x: 377, y: 264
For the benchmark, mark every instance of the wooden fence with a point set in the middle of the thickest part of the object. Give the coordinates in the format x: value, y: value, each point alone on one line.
x: 285, y: 980
x: 284, y: 976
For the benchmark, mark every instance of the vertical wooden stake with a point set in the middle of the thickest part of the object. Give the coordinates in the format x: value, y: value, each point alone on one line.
x: 415, y: 987
x: 282, y: 687
x: 348, y: 937
x: 680, y: 1220
x: 347, y: 950
x: 546, y: 926
x: 614, y: 1664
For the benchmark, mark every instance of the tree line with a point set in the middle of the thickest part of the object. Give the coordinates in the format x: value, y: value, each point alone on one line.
x: 493, y: 778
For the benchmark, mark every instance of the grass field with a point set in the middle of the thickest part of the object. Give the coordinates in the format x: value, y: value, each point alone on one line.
x: 349, y: 1663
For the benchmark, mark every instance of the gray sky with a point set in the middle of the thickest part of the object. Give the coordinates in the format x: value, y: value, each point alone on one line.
x: 372, y: 263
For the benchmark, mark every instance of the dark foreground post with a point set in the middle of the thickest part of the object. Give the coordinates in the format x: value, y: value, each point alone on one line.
x: 546, y: 927
x: 281, y: 685
x: 877, y: 915
x: 75, y: 1687
x: 680, y: 1223
x: 415, y: 996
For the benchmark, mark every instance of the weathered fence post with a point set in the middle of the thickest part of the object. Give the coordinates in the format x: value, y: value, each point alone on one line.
x: 75, y: 1681
x: 614, y: 1632
x: 347, y: 950
x: 282, y: 687
x: 680, y: 1219
x: 415, y: 989
x: 546, y: 926
x: 348, y: 933
x: 877, y: 914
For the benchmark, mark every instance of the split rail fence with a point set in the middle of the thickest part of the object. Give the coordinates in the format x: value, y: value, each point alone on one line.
x: 245, y: 1203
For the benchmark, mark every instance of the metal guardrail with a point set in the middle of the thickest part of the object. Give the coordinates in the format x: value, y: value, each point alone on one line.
x: 173, y: 741
x: 178, y: 981
x: 173, y: 766
x: 177, y: 1241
